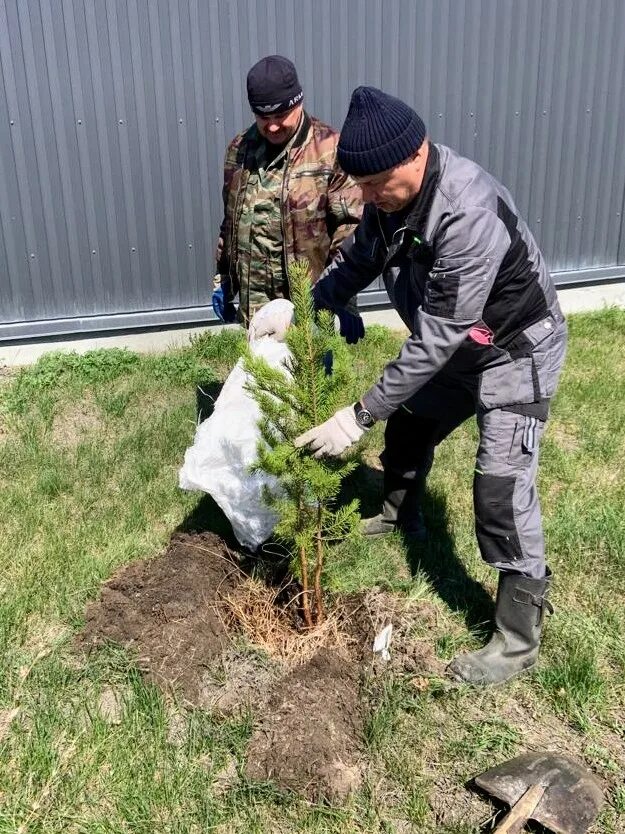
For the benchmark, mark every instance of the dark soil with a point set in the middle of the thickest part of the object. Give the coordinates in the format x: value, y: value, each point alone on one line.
x: 168, y: 612
x: 309, y: 738
x: 172, y: 612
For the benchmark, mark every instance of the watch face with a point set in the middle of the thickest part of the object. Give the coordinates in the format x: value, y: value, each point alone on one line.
x: 364, y: 418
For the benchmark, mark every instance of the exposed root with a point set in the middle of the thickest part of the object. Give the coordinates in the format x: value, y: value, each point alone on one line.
x: 253, y: 609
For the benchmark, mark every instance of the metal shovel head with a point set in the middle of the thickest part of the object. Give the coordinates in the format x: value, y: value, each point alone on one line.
x: 573, y: 795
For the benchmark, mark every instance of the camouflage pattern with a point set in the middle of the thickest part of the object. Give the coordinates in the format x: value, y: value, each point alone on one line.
x: 301, y: 202
x: 259, y: 264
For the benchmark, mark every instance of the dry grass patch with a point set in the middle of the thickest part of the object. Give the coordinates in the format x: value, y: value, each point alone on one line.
x: 564, y: 434
x: 155, y: 403
x: 42, y: 635
x: 75, y: 421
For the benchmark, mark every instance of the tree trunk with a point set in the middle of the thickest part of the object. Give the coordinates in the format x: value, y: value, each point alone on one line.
x: 319, y: 566
x: 305, y: 601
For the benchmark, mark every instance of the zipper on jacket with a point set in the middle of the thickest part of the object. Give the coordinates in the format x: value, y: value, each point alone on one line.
x: 234, y: 237
x: 283, y: 206
x: 377, y: 217
x: 386, y: 244
x: 270, y: 288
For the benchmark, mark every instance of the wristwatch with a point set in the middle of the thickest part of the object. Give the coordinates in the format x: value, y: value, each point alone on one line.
x: 364, y: 417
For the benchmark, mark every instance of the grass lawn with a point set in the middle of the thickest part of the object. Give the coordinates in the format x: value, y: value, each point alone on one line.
x: 90, y: 447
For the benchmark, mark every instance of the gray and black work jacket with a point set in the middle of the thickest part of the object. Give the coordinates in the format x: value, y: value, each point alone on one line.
x: 465, y: 274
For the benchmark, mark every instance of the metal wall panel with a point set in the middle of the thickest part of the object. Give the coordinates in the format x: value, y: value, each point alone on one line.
x: 114, y: 116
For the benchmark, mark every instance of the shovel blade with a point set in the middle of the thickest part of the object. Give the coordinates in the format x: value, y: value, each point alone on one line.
x: 573, y: 796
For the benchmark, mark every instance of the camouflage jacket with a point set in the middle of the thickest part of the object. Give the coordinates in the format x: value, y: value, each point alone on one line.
x: 320, y: 205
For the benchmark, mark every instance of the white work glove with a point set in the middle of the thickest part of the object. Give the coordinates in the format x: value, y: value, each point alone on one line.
x: 334, y: 436
x: 273, y: 320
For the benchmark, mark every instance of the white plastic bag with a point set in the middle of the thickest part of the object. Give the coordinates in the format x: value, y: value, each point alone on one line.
x: 225, y: 446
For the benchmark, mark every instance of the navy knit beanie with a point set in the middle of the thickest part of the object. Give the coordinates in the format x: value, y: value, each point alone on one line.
x: 380, y: 131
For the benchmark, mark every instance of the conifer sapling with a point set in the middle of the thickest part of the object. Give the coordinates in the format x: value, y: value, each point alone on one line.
x: 292, y: 401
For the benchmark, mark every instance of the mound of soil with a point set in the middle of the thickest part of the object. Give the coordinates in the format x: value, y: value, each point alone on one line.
x: 175, y: 613
x: 309, y: 739
x: 167, y: 611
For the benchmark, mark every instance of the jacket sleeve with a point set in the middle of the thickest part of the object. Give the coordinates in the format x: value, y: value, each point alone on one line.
x: 469, y: 248
x: 344, y: 210
x: 357, y: 263
x: 222, y: 257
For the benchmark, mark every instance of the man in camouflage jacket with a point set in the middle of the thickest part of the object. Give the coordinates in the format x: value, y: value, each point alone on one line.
x: 284, y: 198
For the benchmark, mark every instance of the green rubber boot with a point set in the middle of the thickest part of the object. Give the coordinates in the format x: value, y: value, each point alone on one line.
x: 513, y: 648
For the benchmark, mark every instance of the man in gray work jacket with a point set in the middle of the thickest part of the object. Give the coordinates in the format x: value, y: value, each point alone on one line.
x: 487, y: 338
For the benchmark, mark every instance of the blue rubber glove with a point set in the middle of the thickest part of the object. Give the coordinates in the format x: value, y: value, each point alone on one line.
x: 224, y: 309
x: 352, y: 326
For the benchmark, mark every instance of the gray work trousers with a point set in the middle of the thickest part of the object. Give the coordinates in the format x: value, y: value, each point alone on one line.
x: 508, y: 521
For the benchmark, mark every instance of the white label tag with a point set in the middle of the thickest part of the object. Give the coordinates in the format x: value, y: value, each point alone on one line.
x: 383, y: 641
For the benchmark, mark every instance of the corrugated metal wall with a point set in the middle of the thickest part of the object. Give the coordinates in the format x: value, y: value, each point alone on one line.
x: 114, y: 115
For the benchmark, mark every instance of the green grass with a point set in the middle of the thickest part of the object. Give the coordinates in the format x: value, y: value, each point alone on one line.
x: 90, y: 447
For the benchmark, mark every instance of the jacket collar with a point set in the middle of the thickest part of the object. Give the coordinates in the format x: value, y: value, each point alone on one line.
x: 302, y: 133
x: 419, y: 209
